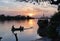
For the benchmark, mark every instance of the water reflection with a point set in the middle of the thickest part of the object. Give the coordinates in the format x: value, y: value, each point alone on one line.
x: 31, y: 22
x: 26, y: 35
x: 13, y: 29
x: 15, y: 34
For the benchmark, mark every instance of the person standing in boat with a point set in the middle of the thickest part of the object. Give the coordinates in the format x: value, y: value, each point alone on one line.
x: 13, y: 28
x: 21, y: 28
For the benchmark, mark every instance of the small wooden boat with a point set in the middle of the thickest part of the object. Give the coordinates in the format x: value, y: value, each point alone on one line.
x: 19, y: 29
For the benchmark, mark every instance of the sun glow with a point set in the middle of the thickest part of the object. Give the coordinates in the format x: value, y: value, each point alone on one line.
x: 30, y: 14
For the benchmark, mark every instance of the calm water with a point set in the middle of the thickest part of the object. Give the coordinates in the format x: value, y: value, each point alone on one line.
x: 26, y: 35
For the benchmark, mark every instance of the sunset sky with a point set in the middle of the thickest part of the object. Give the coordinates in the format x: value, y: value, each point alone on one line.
x: 13, y: 7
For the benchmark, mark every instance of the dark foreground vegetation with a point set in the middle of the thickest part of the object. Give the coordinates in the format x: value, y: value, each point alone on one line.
x: 18, y: 17
x: 52, y: 1
x: 55, y: 2
x: 50, y: 29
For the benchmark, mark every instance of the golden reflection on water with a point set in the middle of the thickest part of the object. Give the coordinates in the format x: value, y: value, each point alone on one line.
x: 28, y: 24
x: 31, y: 22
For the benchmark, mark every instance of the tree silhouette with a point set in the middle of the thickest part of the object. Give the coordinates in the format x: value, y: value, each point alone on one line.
x: 55, y: 2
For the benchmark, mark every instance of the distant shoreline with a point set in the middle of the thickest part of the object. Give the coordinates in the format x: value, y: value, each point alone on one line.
x: 17, y: 17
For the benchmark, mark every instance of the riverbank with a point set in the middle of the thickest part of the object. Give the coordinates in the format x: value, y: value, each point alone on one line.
x: 43, y: 39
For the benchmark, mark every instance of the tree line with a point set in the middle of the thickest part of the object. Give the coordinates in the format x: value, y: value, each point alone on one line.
x: 18, y: 17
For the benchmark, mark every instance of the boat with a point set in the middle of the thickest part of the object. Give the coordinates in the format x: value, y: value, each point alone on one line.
x: 17, y: 29
x: 21, y: 28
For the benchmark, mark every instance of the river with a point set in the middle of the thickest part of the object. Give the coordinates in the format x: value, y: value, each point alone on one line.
x: 26, y: 35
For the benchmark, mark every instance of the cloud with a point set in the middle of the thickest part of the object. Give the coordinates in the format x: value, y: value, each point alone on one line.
x: 22, y: 7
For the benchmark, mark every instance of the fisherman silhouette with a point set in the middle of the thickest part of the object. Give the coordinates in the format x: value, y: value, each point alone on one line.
x: 13, y: 29
x: 21, y: 28
x: 15, y: 34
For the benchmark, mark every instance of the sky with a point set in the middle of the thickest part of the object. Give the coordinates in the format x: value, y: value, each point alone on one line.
x: 13, y: 7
